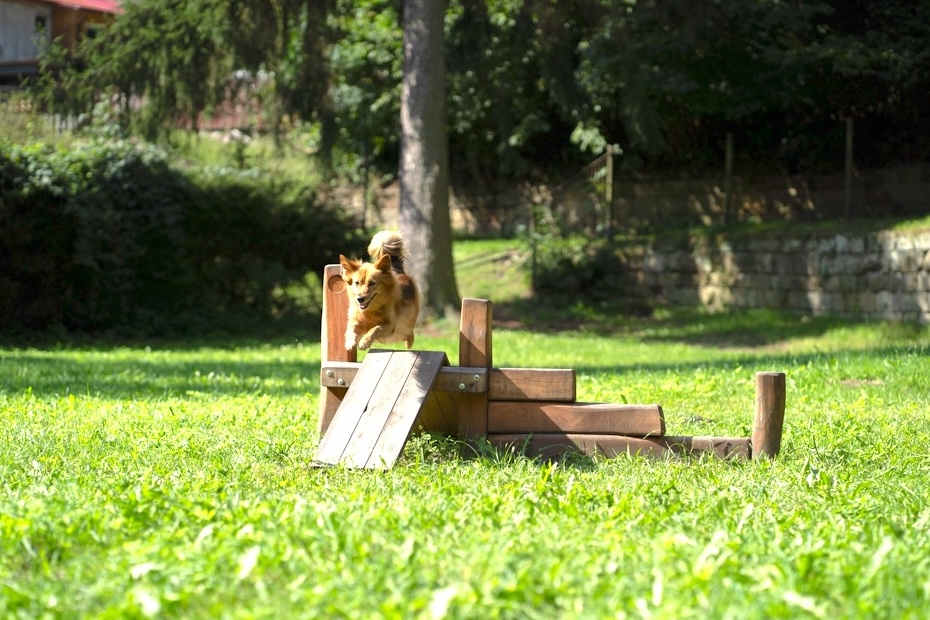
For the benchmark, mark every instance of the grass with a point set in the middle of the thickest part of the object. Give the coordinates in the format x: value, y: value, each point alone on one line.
x: 21, y: 124
x: 292, y: 160
x: 173, y: 481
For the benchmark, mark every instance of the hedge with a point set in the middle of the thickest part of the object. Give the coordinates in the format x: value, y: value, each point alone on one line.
x: 110, y: 235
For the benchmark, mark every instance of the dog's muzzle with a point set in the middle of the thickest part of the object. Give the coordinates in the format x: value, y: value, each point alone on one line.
x: 363, y: 303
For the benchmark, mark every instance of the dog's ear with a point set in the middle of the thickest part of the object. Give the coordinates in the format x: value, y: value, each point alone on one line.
x: 346, y: 263
x: 384, y: 263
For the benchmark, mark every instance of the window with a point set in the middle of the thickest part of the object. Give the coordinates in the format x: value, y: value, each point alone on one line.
x: 41, y: 25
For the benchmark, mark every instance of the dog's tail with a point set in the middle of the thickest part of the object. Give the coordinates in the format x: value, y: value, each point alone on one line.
x: 391, y: 243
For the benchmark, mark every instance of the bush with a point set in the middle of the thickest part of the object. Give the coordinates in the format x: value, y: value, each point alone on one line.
x: 586, y: 271
x: 110, y: 235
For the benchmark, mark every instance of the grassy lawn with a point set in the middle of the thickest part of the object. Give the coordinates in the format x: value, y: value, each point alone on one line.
x: 173, y: 480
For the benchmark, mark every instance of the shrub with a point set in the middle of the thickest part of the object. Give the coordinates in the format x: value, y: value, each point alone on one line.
x: 586, y: 271
x: 110, y: 235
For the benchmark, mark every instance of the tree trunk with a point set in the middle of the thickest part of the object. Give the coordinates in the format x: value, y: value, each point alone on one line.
x: 424, y: 168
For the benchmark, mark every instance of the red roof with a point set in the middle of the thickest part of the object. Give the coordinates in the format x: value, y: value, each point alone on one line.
x: 100, y: 6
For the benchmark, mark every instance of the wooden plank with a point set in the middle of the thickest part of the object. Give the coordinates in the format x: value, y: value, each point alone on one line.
x: 385, y: 399
x: 390, y: 442
x: 769, y: 419
x: 332, y: 339
x: 591, y: 418
x: 340, y: 430
x: 335, y: 317
x: 531, y: 384
x: 462, y: 380
x: 455, y: 379
x: 527, y: 384
x: 475, y: 349
x: 722, y: 447
x: 439, y: 413
x: 554, y: 445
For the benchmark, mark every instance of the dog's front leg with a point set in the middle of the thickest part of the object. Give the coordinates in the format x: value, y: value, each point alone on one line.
x: 367, y: 340
x: 351, y: 336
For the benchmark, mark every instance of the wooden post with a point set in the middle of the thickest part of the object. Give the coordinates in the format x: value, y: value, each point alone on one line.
x: 847, y: 189
x: 770, y: 414
x: 609, y: 193
x: 474, y: 350
x: 335, y: 320
x: 531, y: 227
x: 727, y: 177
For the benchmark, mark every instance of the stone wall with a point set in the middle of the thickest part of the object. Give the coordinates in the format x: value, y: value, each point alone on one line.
x: 883, y: 275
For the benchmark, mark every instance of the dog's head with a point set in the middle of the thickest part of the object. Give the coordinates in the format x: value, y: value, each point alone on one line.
x: 363, y: 279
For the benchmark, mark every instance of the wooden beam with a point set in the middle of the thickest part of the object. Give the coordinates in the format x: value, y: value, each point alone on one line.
x: 529, y: 384
x: 769, y: 418
x: 506, y: 384
x: 554, y: 445
x: 475, y: 346
x: 591, y: 418
x: 333, y: 329
x: 470, y: 380
x: 475, y: 349
x: 440, y: 414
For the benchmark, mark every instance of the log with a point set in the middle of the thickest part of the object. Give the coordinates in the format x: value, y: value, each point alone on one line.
x: 590, y: 418
x: 769, y: 418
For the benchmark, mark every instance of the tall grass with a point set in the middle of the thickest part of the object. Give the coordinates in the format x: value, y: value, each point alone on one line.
x: 174, y: 481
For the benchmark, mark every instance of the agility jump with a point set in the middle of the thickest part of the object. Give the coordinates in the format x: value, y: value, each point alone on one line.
x: 368, y: 410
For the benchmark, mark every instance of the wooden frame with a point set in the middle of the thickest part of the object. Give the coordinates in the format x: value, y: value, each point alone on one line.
x: 530, y: 409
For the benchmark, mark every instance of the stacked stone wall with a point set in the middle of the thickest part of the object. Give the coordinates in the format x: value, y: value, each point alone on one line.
x: 873, y: 276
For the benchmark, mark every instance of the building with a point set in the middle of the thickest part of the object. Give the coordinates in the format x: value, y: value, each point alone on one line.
x: 27, y: 26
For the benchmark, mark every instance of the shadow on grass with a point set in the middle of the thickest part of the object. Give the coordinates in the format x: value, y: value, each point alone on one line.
x: 47, y: 374
x: 52, y: 363
x: 192, y: 376
x: 208, y: 364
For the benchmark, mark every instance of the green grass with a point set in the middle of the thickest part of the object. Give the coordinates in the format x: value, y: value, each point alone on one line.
x: 22, y: 124
x: 174, y: 481
x: 292, y: 160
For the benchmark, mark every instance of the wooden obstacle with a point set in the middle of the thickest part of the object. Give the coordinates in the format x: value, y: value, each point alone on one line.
x: 368, y: 410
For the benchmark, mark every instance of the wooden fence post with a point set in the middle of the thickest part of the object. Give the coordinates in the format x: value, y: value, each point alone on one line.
x: 475, y: 349
x: 335, y: 320
x: 770, y: 414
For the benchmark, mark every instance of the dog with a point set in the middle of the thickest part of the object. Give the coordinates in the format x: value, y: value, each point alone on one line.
x: 384, y: 302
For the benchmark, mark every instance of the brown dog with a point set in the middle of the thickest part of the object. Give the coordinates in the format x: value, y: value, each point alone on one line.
x: 384, y: 302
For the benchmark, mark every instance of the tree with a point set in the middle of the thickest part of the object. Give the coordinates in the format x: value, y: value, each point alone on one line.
x: 166, y: 61
x: 423, y: 171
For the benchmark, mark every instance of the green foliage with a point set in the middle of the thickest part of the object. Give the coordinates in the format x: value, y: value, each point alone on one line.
x: 161, y: 63
x: 109, y: 235
x: 264, y: 234
x: 533, y: 86
x: 575, y: 272
x: 366, y: 63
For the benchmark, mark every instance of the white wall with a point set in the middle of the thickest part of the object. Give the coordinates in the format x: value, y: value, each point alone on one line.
x: 18, y: 30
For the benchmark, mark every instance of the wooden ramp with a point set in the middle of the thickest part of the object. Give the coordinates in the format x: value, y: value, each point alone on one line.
x: 374, y: 420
